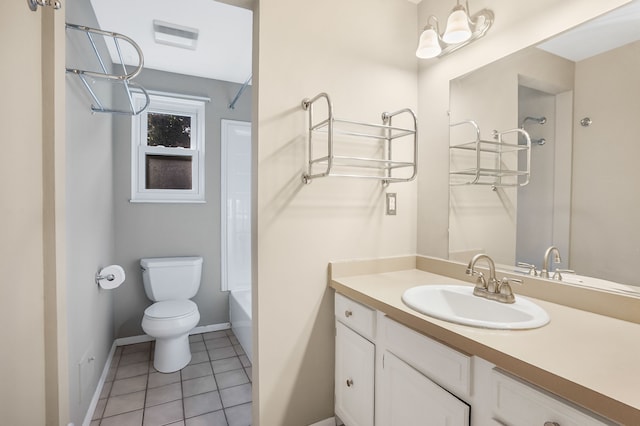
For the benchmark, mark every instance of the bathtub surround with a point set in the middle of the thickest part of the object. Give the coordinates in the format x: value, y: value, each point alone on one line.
x: 240, y: 316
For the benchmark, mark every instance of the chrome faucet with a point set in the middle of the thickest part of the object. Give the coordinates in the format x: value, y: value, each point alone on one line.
x: 483, y: 287
x: 545, y: 262
x: 492, y: 288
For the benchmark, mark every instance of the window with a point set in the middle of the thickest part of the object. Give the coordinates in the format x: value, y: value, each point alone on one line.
x: 167, y: 150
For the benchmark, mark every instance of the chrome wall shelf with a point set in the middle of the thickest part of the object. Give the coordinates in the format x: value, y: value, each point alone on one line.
x: 125, y: 77
x: 379, y: 155
x: 488, y: 159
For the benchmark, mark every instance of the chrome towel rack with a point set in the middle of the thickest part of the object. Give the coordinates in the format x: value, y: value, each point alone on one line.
x: 378, y: 144
x: 125, y: 77
x: 496, y: 174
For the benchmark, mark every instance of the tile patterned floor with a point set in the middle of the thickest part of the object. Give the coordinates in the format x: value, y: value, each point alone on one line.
x: 213, y: 390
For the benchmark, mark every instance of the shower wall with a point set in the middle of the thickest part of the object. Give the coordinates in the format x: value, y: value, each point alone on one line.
x: 534, y: 228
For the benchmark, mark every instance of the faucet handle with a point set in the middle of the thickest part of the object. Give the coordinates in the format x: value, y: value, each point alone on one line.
x: 532, y: 268
x: 505, y: 293
x: 480, y: 288
x: 481, y: 281
x: 557, y: 276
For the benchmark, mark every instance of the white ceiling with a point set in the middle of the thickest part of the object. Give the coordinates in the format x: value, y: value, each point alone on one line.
x: 599, y: 35
x: 223, y: 50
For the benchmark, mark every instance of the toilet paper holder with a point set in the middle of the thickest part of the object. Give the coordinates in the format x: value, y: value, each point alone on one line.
x: 108, y: 277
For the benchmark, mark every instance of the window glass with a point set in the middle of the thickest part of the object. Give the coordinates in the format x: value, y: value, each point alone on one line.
x: 168, y: 172
x: 168, y: 130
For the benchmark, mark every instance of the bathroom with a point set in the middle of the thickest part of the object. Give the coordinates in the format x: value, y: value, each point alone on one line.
x: 367, y: 63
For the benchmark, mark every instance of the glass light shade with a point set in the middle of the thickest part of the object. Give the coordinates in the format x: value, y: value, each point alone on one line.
x: 457, y: 26
x: 428, y: 46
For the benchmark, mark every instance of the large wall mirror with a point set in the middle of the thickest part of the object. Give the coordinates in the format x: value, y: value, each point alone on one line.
x: 578, y: 97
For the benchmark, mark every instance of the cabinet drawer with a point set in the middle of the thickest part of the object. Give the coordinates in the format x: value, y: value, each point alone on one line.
x: 356, y: 316
x: 517, y: 403
x: 445, y: 366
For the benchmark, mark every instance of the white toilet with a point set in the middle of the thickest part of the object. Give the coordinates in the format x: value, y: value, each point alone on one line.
x: 170, y: 282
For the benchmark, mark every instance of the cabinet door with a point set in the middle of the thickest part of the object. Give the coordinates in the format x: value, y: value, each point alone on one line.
x: 355, y: 361
x: 409, y: 398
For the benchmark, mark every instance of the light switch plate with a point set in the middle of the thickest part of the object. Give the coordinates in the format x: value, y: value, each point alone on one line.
x: 391, y: 203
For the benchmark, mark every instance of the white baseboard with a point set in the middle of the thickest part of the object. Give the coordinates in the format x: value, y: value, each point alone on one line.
x: 130, y: 341
x: 198, y: 330
x: 96, y: 394
x: 209, y: 328
x: 331, y: 421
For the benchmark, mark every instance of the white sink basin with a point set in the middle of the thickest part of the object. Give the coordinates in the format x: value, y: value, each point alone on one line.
x: 456, y: 303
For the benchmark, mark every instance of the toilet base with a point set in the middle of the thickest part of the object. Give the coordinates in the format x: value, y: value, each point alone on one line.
x: 172, y: 354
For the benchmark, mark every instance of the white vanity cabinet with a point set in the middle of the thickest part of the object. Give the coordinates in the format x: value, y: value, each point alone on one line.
x: 517, y: 403
x: 409, y: 398
x: 355, y: 362
x: 390, y: 375
x: 418, y: 379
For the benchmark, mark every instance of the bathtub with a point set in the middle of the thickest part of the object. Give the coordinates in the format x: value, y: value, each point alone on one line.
x: 240, y: 316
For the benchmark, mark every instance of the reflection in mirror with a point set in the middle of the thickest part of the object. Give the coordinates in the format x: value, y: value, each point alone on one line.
x: 580, y: 106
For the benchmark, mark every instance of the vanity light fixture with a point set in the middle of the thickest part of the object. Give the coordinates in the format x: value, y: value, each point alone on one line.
x: 461, y: 30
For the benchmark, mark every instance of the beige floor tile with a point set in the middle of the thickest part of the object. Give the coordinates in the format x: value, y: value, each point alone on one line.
x: 197, y: 347
x: 217, y: 418
x: 240, y: 415
x: 134, y: 357
x: 130, y: 385
x: 124, y: 403
x: 163, y: 394
x: 231, y: 378
x: 132, y: 370
x: 214, y: 335
x: 161, y: 379
x: 219, y: 342
x: 198, y: 357
x: 138, y: 347
x: 227, y: 364
x: 221, y: 353
x: 133, y: 418
x: 197, y: 386
x: 163, y: 414
x: 236, y: 395
x: 201, y: 404
x: 195, y: 338
x: 196, y: 370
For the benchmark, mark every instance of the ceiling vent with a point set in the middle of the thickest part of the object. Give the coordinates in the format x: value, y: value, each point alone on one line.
x: 175, y: 35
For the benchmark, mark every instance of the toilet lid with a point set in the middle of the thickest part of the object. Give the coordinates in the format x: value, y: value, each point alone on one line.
x: 171, y: 309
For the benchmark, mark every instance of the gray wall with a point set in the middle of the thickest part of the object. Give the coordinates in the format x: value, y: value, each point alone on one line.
x: 90, y: 225
x: 164, y: 229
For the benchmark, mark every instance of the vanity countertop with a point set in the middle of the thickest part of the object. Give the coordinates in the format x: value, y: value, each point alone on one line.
x: 584, y: 357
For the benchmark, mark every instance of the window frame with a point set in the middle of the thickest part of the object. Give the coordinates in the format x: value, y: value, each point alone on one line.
x: 192, y: 107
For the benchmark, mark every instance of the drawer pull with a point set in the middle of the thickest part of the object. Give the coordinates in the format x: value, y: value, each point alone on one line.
x: 350, y: 383
x: 551, y: 424
x: 348, y: 313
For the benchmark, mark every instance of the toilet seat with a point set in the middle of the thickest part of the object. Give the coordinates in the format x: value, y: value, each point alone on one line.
x: 171, y: 309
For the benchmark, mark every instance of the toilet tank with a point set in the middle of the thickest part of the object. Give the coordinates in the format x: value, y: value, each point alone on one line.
x: 170, y: 278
